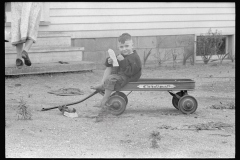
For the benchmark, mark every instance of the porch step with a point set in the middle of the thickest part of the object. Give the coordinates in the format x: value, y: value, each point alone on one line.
x: 47, y: 54
x: 49, y: 39
x: 39, y: 68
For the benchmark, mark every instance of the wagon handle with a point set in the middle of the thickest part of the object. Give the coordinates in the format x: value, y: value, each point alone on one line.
x: 68, y: 104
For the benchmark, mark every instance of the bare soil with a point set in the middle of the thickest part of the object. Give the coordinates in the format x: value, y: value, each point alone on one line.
x: 150, y: 127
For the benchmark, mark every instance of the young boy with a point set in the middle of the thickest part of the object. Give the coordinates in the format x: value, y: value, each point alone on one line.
x: 114, y: 78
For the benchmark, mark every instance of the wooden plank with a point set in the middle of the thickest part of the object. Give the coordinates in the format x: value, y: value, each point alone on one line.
x: 163, y: 11
x: 39, y: 68
x: 46, y: 49
x: 137, y: 4
x: 49, y: 41
x: 141, y: 18
x: 122, y: 26
x: 47, y: 57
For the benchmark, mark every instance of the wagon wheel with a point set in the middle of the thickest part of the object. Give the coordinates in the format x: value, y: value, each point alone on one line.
x: 117, y: 104
x: 175, y: 99
x: 122, y: 95
x: 187, y: 104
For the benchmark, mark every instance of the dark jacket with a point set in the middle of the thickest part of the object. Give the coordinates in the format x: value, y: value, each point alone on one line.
x: 130, y: 66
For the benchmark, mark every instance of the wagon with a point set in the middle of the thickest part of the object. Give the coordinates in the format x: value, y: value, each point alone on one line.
x: 118, y: 100
x: 181, y: 100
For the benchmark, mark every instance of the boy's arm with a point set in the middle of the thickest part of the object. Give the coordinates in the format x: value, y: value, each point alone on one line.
x: 107, y: 64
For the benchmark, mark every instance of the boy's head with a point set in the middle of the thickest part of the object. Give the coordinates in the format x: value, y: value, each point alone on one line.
x: 125, y: 44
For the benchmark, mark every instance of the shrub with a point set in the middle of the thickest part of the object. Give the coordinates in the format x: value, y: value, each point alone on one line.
x: 209, y: 44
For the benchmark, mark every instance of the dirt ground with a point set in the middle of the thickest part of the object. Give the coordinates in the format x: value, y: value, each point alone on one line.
x: 150, y: 127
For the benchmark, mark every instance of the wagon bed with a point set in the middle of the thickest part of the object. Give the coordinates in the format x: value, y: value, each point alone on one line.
x: 156, y: 84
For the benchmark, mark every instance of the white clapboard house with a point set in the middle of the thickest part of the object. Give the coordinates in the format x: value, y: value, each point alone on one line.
x: 84, y: 31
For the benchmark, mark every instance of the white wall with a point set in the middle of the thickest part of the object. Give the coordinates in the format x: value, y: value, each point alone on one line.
x: 110, y: 19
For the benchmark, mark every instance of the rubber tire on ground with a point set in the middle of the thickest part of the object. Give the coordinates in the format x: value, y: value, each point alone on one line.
x: 122, y: 95
x: 117, y: 104
x: 175, y: 100
x: 187, y: 104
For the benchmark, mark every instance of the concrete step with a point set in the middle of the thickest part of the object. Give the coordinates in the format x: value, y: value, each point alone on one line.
x: 46, y: 54
x: 50, y: 39
x: 38, y: 68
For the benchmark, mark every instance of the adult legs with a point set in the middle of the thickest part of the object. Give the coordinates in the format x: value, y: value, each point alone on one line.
x: 27, y: 47
x: 19, y: 62
x: 19, y: 49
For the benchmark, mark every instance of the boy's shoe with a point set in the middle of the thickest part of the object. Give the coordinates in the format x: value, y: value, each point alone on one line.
x: 26, y: 58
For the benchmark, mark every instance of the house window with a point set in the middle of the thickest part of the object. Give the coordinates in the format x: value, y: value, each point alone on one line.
x: 222, y: 49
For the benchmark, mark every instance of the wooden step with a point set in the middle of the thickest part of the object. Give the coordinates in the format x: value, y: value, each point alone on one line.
x: 40, y: 68
x: 46, y: 54
x: 49, y: 39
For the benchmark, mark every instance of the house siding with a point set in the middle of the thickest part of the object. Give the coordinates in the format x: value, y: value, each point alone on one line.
x: 110, y: 19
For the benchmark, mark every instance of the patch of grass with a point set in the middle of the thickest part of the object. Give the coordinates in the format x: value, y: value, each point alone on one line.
x: 208, y: 126
x: 230, y: 105
x: 23, y: 111
x: 155, y: 136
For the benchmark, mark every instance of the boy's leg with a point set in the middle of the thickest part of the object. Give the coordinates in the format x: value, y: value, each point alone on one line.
x: 103, y: 110
x: 106, y: 73
x: 105, y: 97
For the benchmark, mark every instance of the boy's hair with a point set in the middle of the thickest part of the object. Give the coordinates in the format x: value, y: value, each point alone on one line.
x: 124, y: 37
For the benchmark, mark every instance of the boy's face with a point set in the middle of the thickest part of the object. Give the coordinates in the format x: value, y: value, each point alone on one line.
x: 126, y: 48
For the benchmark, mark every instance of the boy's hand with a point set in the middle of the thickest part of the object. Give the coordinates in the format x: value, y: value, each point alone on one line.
x: 110, y: 61
x: 120, y: 57
x: 117, y: 53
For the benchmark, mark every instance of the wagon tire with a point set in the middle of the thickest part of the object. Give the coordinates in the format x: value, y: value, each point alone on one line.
x: 187, y: 104
x: 116, y: 104
x: 122, y: 95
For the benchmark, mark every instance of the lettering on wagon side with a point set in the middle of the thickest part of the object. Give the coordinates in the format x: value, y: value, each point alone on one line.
x: 156, y: 86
